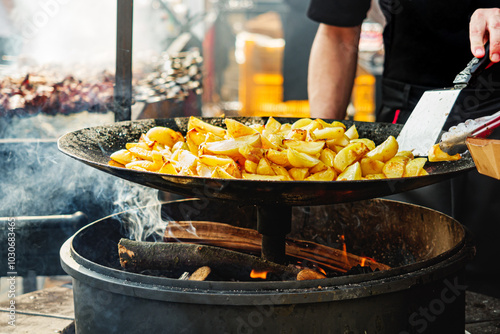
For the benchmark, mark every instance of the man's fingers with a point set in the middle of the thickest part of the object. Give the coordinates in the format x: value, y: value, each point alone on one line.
x: 484, y: 25
x: 493, y: 27
x: 477, y: 32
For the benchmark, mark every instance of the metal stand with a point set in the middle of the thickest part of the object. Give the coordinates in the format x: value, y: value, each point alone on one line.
x: 274, y: 223
x: 123, y: 74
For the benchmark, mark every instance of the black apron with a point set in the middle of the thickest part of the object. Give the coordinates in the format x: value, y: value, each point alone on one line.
x: 413, y: 36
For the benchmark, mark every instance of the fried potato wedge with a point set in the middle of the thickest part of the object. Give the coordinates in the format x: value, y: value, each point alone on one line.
x: 299, y: 173
x: 197, y: 123
x: 371, y: 166
x: 436, y: 154
x: 351, y: 173
x: 230, y: 147
x: 308, y: 147
x: 414, y: 167
x: 328, y: 174
x: 237, y: 129
x: 164, y: 136
x: 348, y: 155
x: 395, y: 167
x: 385, y: 151
x: 123, y: 156
x: 299, y: 159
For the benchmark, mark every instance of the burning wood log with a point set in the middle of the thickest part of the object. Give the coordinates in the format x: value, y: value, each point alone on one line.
x: 138, y: 256
x: 248, y: 240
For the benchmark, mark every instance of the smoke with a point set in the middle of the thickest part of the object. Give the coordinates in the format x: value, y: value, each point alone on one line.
x: 73, y: 34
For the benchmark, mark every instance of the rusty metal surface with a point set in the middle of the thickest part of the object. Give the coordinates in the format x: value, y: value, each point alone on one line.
x: 93, y: 146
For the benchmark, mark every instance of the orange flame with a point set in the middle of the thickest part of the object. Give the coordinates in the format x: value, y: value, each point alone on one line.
x: 344, y: 250
x: 258, y: 274
x: 322, y: 270
x: 363, y: 260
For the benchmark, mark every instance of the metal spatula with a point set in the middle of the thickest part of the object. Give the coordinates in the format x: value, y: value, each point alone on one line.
x: 426, y: 121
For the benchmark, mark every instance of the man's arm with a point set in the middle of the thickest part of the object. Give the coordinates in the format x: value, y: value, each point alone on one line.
x: 485, y: 25
x: 332, y: 68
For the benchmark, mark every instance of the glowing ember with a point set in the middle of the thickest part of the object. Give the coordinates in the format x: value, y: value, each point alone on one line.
x: 258, y: 274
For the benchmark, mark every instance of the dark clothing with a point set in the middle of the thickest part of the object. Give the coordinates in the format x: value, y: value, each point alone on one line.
x: 426, y: 42
x: 426, y: 46
x: 299, y: 34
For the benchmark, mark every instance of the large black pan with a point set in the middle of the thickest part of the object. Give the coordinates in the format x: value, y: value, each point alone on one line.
x: 93, y: 146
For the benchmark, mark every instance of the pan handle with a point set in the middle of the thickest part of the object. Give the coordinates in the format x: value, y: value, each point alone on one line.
x: 473, y: 69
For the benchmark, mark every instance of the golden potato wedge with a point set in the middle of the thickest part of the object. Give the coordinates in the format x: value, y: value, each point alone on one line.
x: 144, y: 139
x: 258, y: 127
x: 278, y: 157
x: 141, y: 153
x: 329, y: 133
x: 180, y: 145
x: 385, y: 151
x: 264, y: 167
x: 123, y: 156
x: 197, y: 123
x: 351, y: 173
x: 395, y: 167
x: 326, y: 175
x: 371, y: 166
x: 369, y: 143
x: 280, y: 170
x: 327, y: 156
x: 221, y: 174
x: 250, y: 166
x: 164, y: 136
x: 352, y: 132
x: 215, y: 160
x: 436, y: 154
x: 250, y: 152
x: 272, y: 125
x: 303, y: 122
x: 311, y: 127
x: 143, y: 164
x: 342, y: 141
x: 299, y: 173
x: 142, y: 145
x: 299, y: 159
x: 296, y: 134
x: 308, y: 147
x: 230, y: 147
x: 168, y: 168
x: 348, y: 155
x: 318, y: 168
x: 237, y: 129
x: 413, y: 167
x: 274, y: 141
x: 285, y: 128
x: 423, y: 172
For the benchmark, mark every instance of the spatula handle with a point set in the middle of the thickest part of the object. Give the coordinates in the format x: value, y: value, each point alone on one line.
x: 474, y: 68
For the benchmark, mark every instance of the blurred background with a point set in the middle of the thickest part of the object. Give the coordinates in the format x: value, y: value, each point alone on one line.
x: 189, y: 57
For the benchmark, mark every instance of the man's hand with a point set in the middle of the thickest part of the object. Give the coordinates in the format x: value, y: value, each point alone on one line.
x: 485, y: 25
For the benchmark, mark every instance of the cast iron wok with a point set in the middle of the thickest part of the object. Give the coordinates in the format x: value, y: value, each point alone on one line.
x: 93, y: 146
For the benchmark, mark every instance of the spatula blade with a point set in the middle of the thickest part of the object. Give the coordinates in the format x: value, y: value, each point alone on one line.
x: 426, y: 121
